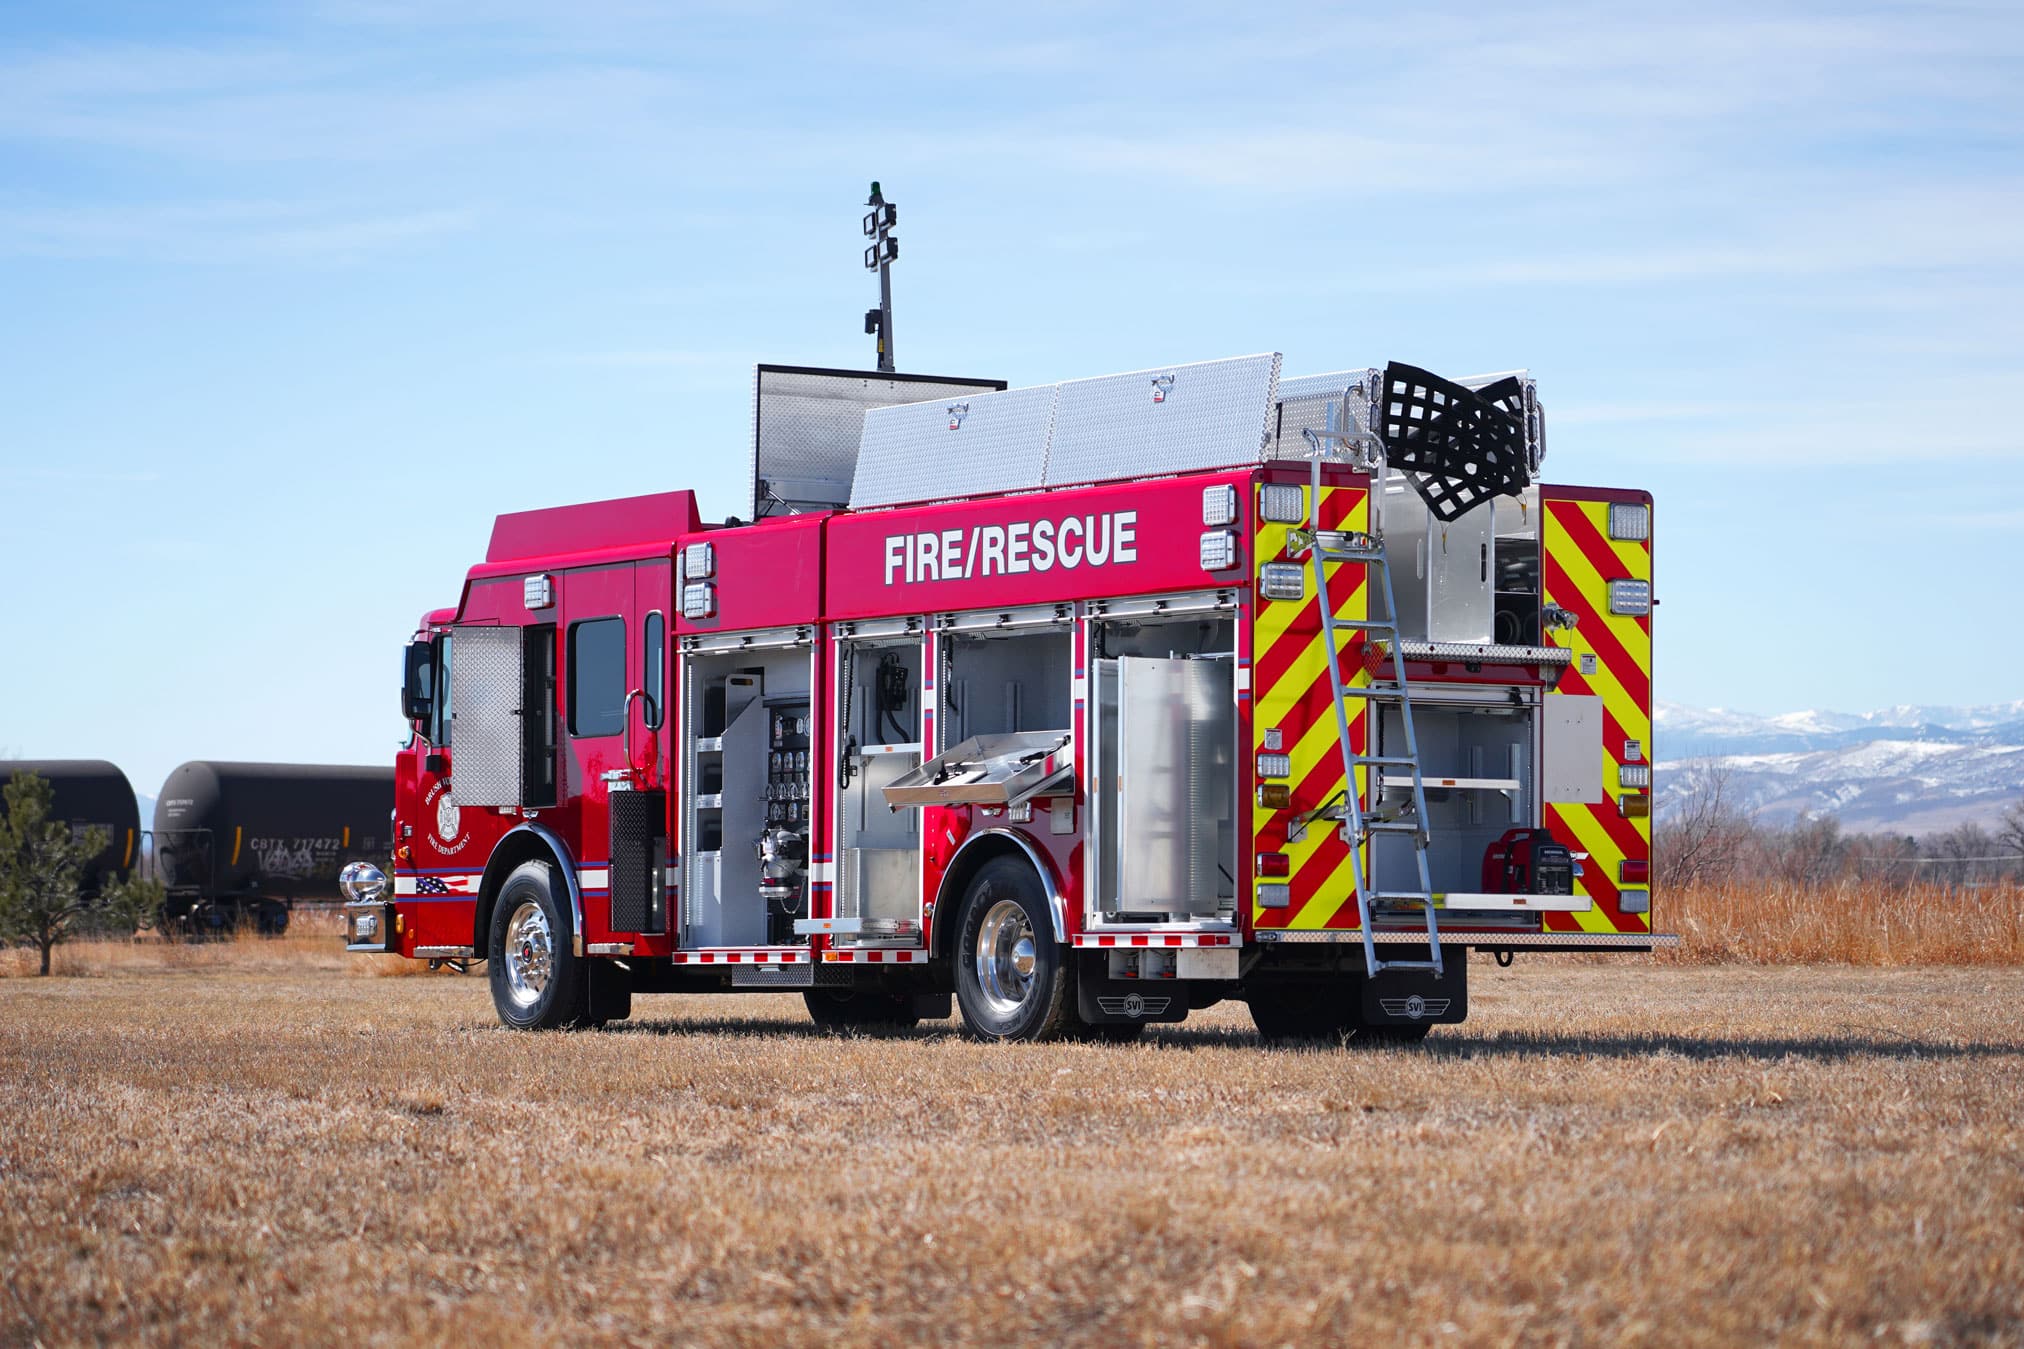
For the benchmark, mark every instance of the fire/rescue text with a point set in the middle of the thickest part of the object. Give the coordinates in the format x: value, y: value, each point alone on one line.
x: 1012, y: 550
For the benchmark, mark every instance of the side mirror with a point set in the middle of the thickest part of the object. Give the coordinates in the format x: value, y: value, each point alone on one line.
x: 418, y: 681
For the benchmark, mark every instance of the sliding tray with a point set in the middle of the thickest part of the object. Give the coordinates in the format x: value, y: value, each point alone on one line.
x: 992, y: 770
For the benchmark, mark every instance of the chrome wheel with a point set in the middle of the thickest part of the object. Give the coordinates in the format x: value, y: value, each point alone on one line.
x: 1005, y: 958
x: 529, y: 954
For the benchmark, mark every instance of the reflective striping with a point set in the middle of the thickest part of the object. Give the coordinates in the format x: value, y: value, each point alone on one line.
x: 1291, y: 694
x: 1579, y: 561
x: 1629, y: 941
x: 1182, y: 939
x: 745, y: 955
x: 875, y: 957
x: 594, y: 878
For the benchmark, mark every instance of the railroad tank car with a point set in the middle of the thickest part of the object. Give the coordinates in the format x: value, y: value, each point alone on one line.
x: 237, y: 842
x: 91, y: 792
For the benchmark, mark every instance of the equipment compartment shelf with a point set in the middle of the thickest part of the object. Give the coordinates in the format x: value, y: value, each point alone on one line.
x: 987, y: 770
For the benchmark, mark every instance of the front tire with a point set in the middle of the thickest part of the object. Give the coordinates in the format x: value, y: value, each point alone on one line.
x: 538, y: 981
x: 1011, y: 980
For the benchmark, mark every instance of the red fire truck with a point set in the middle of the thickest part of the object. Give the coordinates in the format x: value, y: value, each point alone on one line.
x: 1087, y: 705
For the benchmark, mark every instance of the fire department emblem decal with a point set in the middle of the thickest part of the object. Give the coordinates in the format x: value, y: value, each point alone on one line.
x: 1415, y: 1008
x: 450, y: 838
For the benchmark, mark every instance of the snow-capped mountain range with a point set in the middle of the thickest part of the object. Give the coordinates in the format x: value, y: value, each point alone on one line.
x: 1908, y: 768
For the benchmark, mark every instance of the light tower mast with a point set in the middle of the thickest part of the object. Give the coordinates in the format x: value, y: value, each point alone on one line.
x: 879, y: 256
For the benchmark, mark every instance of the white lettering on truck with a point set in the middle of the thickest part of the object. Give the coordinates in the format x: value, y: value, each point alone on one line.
x: 1012, y: 550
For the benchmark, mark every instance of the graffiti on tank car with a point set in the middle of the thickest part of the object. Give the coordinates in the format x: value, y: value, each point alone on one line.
x: 295, y: 858
x: 1017, y: 549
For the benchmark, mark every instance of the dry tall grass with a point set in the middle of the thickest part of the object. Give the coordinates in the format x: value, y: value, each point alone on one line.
x: 1769, y: 923
x: 1844, y: 922
x: 1604, y: 1155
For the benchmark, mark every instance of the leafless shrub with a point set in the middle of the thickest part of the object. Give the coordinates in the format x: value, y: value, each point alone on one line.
x: 1702, y: 836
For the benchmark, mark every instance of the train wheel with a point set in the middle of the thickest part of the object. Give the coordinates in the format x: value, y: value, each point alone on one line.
x: 1302, y: 1010
x: 537, y: 979
x: 1011, y: 981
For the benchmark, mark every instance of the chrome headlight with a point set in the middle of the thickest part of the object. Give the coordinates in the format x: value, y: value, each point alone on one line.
x: 362, y: 883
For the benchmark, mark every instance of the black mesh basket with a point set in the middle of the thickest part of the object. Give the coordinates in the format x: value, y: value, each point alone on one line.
x: 1457, y: 446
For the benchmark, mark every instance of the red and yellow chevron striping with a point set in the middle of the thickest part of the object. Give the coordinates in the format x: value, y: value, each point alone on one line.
x: 1291, y: 695
x: 1612, y: 660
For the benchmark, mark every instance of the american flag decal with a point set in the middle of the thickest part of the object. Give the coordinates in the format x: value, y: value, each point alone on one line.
x: 431, y: 885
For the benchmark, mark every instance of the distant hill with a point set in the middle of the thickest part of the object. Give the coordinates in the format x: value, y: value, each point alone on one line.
x: 1909, y: 768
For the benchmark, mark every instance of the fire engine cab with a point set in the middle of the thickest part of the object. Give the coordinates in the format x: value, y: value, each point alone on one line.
x: 1087, y: 705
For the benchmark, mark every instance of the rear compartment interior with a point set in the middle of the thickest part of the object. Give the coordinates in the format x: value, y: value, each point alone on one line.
x: 1487, y: 752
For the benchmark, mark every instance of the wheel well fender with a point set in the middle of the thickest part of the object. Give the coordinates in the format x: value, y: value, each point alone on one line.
x: 526, y: 843
x: 979, y: 848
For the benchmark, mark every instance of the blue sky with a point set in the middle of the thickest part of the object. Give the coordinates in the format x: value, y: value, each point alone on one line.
x: 295, y: 297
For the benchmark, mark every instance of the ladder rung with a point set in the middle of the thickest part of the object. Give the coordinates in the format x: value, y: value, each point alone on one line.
x: 1391, y: 826
x: 1367, y: 624
x: 1351, y: 555
x: 1402, y: 897
x: 1376, y: 691
x: 1427, y: 965
x: 1384, y: 761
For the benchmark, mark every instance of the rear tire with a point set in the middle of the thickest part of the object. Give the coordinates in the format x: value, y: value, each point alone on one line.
x: 538, y: 980
x: 1011, y: 980
x: 843, y: 1008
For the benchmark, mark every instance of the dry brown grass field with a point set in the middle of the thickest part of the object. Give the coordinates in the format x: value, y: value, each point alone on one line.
x: 261, y: 1141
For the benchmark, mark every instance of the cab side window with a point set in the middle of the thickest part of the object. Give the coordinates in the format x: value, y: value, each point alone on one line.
x: 439, y: 718
x: 596, y: 677
x: 656, y: 643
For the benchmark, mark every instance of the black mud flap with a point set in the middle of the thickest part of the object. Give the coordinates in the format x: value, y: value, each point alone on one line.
x: 1103, y: 1001
x: 638, y: 847
x: 1415, y: 997
x: 609, y: 995
x: 933, y: 1006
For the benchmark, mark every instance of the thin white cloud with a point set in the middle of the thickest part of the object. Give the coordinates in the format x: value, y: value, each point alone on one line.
x: 221, y: 232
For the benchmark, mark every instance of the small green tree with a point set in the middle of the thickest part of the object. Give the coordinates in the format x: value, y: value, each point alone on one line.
x: 125, y: 907
x: 40, y: 862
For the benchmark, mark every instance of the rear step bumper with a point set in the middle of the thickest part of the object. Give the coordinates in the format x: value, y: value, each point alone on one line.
x: 1488, y: 941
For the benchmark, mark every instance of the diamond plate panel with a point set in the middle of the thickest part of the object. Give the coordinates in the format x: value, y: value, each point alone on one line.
x: 486, y: 680
x: 773, y: 976
x: 1174, y: 419
x: 969, y: 445
x: 638, y: 851
x: 806, y: 426
x: 1339, y: 401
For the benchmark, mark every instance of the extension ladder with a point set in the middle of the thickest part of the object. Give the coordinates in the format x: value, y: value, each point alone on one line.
x: 1359, y: 825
